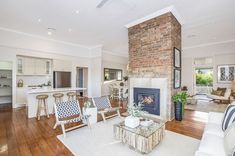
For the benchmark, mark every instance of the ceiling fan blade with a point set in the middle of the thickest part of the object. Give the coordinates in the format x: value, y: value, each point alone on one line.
x: 101, y: 4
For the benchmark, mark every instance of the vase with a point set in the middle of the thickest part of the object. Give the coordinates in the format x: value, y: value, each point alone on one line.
x: 132, y: 121
x: 178, y: 111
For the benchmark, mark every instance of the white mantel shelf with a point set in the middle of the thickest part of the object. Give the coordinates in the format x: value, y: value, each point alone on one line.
x: 52, y: 90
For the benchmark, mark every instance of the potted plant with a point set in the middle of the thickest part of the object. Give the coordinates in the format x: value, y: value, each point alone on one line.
x: 180, y: 99
x: 89, y: 109
x: 134, y: 112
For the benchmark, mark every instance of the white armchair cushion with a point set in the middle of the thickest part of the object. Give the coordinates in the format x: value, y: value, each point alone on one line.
x: 229, y: 140
x: 215, y: 117
x: 215, y: 129
x: 199, y: 153
x: 212, y: 144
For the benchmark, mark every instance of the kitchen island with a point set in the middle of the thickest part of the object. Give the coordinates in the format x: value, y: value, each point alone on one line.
x: 32, y: 103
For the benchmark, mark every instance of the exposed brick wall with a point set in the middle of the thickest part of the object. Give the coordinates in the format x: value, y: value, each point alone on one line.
x: 151, y: 46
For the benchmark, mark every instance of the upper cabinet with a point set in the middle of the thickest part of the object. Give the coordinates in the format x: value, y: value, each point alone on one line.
x: 33, y: 66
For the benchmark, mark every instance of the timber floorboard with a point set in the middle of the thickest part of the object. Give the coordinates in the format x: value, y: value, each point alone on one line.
x: 20, y: 136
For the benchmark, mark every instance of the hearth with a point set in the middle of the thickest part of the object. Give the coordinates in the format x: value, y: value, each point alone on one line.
x: 150, y: 98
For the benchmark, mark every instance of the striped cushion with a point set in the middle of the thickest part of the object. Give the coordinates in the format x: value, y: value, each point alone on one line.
x: 229, y: 117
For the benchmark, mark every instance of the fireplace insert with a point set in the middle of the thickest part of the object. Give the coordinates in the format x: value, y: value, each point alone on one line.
x: 150, y: 99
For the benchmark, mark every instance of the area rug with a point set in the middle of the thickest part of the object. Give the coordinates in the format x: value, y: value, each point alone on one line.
x: 99, y: 141
x: 204, y: 106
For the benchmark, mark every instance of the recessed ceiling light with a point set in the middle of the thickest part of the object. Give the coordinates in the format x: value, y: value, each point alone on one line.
x: 77, y: 11
x: 70, y: 30
x: 39, y: 20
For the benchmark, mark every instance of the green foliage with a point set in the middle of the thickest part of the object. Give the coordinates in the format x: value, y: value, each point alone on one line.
x: 180, y: 97
x: 204, y: 79
x: 135, y: 110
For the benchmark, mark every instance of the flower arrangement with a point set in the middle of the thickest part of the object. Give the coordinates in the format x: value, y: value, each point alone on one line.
x: 135, y: 110
x: 87, y: 103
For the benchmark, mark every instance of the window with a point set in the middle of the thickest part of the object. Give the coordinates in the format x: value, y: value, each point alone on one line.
x: 112, y: 74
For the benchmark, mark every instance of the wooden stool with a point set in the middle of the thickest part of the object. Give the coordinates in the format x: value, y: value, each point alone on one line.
x: 42, y: 105
x: 71, y: 96
x: 58, y: 97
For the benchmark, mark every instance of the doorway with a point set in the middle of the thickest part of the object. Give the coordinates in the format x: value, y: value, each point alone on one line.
x: 203, y: 83
x: 5, y: 85
x: 82, y: 80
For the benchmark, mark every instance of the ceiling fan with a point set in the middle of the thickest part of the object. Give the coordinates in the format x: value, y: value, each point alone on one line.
x: 101, y: 4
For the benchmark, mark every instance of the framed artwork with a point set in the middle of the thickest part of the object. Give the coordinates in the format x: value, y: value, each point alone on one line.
x: 177, y: 58
x: 226, y: 73
x: 177, y: 78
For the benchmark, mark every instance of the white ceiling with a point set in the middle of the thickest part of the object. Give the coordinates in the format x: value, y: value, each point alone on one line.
x: 206, y: 22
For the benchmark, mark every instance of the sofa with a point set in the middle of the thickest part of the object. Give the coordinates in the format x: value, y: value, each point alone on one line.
x: 217, y: 97
x: 212, y: 143
x: 218, y: 134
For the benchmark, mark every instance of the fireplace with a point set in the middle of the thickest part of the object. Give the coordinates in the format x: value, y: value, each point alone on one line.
x: 150, y: 98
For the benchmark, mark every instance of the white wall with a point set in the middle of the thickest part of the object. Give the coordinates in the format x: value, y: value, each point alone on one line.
x: 188, y: 68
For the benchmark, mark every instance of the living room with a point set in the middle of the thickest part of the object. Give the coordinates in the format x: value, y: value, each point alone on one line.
x: 128, y: 77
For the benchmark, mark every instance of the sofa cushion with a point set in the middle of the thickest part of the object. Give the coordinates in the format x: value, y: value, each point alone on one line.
x: 229, y: 140
x: 229, y: 116
x: 215, y: 117
x: 199, y: 153
x: 212, y: 144
x: 213, y: 128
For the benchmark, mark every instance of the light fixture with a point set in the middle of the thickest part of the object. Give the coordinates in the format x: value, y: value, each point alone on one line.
x: 39, y: 20
x: 50, y: 31
x: 70, y: 30
x: 77, y: 11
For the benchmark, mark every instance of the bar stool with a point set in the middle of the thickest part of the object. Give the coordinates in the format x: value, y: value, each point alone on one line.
x: 42, y: 105
x: 71, y: 96
x: 58, y: 97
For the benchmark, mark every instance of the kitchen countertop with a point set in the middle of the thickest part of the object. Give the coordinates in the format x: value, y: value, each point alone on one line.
x: 51, y: 90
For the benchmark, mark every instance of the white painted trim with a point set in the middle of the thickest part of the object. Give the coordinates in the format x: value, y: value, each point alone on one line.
x: 115, y: 54
x: 209, y: 44
x: 171, y: 9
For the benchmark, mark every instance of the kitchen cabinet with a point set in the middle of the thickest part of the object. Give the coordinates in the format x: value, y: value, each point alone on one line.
x: 33, y: 66
x: 21, y: 96
x: 61, y: 65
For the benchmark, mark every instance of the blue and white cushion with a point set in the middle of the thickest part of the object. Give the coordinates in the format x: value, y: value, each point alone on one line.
x: 102, y: 102
x: 229, y: 116
x: 67, y: 109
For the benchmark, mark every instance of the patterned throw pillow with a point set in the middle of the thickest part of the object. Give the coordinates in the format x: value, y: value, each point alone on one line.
x: 229, y: 116
x: 216, y: 92
x: 223, y: 90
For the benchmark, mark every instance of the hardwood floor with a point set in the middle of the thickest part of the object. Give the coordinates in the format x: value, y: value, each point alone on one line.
x: 22, y: 136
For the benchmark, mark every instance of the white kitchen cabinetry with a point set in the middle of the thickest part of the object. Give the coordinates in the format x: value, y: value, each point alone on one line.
x: 60, y: 65
x: 33, y: 66
x: 21, y: 96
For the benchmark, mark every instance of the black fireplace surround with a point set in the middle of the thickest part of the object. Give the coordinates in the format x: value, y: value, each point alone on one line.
x: 150, y: 98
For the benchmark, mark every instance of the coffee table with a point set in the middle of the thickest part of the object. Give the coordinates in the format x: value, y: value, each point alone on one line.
x: 142, y: 139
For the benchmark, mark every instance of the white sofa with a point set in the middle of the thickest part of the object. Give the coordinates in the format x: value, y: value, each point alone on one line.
x: 212, y: 143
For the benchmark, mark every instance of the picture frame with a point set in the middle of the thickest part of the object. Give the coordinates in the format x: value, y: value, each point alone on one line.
x: 226, y: 73
x: 177, y: 78
x: 177, y: 58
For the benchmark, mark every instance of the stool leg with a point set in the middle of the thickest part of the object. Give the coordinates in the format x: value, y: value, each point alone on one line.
x: 46, y: 108
x: 39, y: 109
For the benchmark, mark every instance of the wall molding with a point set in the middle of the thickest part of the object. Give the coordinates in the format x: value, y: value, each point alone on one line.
x: 171, y: 9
